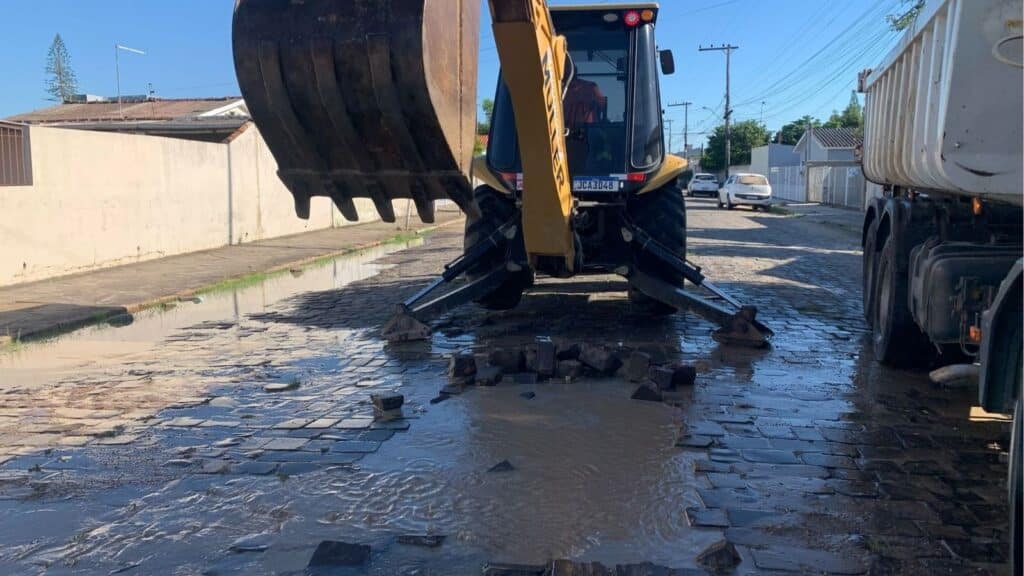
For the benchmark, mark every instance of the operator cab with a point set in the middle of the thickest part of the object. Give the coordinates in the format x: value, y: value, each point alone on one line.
x: 611, y: 107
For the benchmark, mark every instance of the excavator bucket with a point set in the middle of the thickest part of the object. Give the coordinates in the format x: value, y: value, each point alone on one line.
x: 363, y: 98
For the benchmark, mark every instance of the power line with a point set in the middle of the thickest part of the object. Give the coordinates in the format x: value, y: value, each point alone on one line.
x: 727, y: 48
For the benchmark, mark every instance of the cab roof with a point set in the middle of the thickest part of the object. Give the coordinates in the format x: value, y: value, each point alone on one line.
x: 616, y: 7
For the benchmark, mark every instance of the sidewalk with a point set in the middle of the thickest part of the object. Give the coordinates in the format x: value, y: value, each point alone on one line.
x: 62, y: 304
x: 847, y: 219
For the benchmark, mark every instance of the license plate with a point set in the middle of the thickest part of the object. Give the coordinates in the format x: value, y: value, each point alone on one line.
x: 595, y: 184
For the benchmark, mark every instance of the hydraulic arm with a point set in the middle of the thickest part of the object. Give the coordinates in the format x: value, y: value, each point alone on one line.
x: 533, y: 66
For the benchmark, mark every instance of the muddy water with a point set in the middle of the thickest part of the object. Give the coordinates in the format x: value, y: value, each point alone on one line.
x: 813, y: 442
x: 96, y: 347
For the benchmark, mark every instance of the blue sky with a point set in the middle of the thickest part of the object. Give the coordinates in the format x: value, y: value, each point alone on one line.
x: 797, y: 56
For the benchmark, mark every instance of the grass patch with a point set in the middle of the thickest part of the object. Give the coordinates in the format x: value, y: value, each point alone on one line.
x: 12, y: 346
x: 257, y: 278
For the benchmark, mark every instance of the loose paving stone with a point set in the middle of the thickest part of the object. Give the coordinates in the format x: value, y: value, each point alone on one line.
x: 488, y: 375
x: 423, y: 540
x: 706, y: 517
x: 503, y: 466
x: 599, y: 358
x: 546, y: 360
x: 661, y: 376
x: 637, y: 366
x: 570, y: 369
x: 332, y: 553
x: 719, y: 557
x: 683, y: 375
x: 384, y: 403
x: 726, y: 480
x: 462, y: 367
x: 508, y: 360
x: 285, y: 444
x: 252, y: 543
x: 646, y: 394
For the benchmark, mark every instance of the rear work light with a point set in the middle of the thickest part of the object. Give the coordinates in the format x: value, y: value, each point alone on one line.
x: 632, y: 18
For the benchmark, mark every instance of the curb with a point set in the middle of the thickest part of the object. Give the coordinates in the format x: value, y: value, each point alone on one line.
x: 72, y: 324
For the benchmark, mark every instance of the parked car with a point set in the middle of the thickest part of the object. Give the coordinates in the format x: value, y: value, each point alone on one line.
x: 702, y: 184
x: 746, y: 190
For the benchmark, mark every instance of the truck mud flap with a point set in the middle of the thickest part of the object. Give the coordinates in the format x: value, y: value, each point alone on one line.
x: 363, y: 98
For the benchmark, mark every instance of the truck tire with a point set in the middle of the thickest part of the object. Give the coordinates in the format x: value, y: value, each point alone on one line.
x: 1016, y: 490
x: 662, y: 214
x: 495, y: 210
x: 896, y: 339
x: 869, y: 268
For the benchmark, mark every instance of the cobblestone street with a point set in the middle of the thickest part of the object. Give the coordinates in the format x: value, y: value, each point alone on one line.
x: 233, y: 434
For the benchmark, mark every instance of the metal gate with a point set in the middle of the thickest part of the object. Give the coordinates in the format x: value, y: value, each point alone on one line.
x: 836, y: 183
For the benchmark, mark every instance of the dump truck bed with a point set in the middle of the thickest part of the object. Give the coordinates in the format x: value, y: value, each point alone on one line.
x: 943, y: 110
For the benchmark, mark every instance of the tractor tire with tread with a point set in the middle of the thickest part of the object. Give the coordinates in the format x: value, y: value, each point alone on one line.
x: 495, y: 210
x: 662, y: 214
x: 869, y: 272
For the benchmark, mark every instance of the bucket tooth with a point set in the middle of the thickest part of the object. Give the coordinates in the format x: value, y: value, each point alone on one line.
x: 404, y: 327
x: 346, y: 206
x: 742, y: 329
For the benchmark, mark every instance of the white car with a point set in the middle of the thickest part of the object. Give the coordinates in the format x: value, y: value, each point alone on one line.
x: 746, y: 189
x: 702, y: 184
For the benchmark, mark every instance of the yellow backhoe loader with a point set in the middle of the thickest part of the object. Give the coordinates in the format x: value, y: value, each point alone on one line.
x: 377, y: 99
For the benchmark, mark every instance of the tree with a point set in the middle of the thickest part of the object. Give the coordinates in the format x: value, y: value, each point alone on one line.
x: 62, y: 83
x: 488, y: 107
x: 791, y: 133
x: 851, y: 117
x: 903, y: 20
x: 745, y: 136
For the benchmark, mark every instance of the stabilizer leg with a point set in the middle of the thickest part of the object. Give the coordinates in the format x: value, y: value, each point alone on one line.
x: 407, y: 324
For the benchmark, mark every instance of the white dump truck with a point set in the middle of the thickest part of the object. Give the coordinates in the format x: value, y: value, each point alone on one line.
x: 942, y: 246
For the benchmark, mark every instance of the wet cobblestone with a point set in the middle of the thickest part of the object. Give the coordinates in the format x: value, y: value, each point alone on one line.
x: 806, y: 457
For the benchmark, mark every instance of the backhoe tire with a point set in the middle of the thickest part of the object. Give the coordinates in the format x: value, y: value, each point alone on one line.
x: 495, y: 210
x: 896, y: 339
x: 1016, y: 486
x: 662, y: 214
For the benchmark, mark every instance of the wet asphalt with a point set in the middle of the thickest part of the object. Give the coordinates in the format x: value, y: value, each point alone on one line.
x: 159, y: 448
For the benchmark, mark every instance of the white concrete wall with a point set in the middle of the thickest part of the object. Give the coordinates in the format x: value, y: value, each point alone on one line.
x: 102, y: 199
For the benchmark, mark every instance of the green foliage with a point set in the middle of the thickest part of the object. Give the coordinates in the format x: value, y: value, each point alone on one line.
x: 745, y: 136
x: 851, y: 117
x: 791, y: 133
x: 903, y: 20
x: 488, y: 107
x: 62, y: 83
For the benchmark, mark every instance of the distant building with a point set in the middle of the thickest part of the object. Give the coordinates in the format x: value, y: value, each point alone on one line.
x: 203, y: 119
x: 764, y: 158
x: 828, y: 145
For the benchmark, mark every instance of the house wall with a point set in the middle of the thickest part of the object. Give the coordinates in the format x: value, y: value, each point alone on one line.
x: 101, y: 199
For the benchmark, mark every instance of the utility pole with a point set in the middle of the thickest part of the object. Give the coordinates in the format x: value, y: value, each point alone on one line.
x: 670, y: 121
x: 117, y: 71
x: 727, y: 48
x: 686, y: 122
